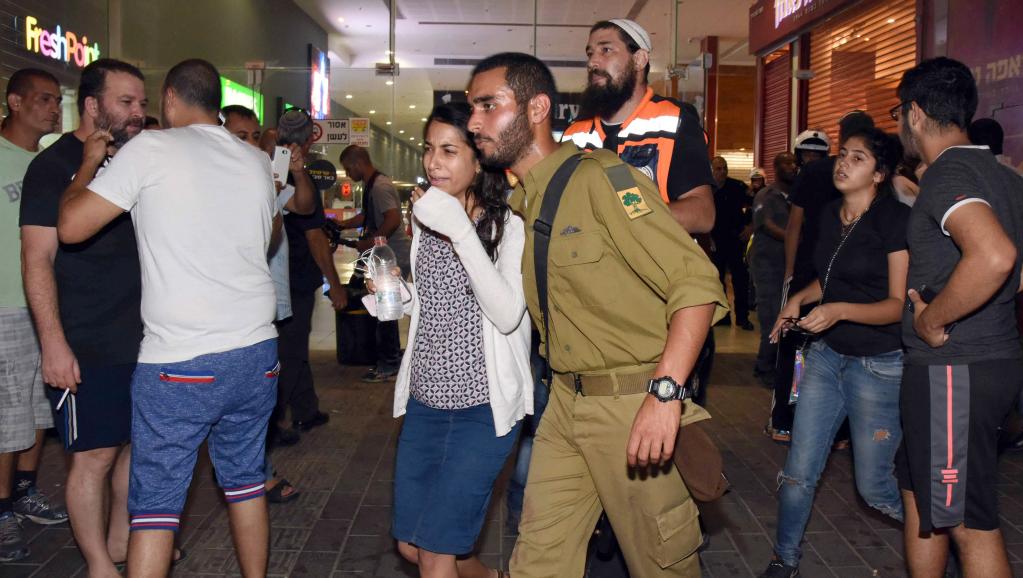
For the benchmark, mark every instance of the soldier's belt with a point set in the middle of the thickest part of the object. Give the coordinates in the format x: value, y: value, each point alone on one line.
x: 627, y: 381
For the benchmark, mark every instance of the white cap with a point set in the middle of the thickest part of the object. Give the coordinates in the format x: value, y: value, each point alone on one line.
x: 635, y: 32
x: 757, y: 173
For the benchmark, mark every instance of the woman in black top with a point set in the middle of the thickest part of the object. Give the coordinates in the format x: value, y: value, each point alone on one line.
x: 853, y: 357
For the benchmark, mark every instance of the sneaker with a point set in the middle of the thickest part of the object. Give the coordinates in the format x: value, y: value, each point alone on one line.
x: 378, y: 376
x: 777, y: 569
x: 782, y: 436
x: 36, y: 507
x: 318, y: 419
x: 12, y: 546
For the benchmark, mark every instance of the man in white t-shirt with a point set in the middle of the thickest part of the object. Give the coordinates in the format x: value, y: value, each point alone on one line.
x: 208, y: 361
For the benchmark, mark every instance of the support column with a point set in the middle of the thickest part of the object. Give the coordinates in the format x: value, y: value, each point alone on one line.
x: 709, y: 47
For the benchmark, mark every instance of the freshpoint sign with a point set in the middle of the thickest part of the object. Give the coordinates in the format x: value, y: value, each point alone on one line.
x: 59, y: 44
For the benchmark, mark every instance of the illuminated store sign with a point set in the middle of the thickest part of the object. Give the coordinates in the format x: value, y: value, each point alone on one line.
x: 59, y: 44
x: 232, y: 92
x: 785, y: 8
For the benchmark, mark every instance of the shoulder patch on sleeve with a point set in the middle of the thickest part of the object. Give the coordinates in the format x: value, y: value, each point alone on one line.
x: 633, y: 203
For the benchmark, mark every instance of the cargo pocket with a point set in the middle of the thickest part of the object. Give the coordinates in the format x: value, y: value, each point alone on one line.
x: 679, y: 534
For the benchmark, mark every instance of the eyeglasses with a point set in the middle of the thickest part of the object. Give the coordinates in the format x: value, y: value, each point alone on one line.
x: 896, y: 110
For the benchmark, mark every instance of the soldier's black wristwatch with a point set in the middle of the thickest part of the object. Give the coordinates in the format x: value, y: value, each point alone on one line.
x: 667, y: 389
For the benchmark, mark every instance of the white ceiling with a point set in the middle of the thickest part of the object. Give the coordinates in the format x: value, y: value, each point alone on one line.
x: 427, y: 30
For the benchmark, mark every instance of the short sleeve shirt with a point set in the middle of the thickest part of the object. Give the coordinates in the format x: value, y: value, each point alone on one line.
x: 202, y: 202
x: 14, y: 161
x: 960, y: 176
x: 305, y: 274
x: 385, y: 198
x: 813, y: 189
x: 99, y: 283
x: 772, y: 205
x: 859, y: 272
x: 730, y: 202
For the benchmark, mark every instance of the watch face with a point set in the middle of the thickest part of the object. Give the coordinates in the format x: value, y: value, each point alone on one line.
x: 665, y: 388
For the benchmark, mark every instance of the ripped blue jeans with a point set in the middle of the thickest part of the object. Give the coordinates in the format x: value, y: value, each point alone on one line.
x: 866, y: 389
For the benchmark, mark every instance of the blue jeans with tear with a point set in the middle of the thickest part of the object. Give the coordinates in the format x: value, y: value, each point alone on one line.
x: 866, y: 389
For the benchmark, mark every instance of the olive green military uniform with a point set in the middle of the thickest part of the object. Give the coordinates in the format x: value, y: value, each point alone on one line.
x: 619, y: 267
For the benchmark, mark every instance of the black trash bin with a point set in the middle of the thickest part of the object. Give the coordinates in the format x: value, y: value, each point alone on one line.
x: 356, y: 329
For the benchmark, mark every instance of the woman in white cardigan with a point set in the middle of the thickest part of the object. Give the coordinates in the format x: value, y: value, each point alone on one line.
x: 464, y: 383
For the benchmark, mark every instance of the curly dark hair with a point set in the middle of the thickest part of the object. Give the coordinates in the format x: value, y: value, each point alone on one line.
x: 489, y: 189
x: 887, y: 152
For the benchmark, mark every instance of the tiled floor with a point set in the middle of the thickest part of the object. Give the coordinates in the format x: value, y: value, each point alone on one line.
x: 339, y: 526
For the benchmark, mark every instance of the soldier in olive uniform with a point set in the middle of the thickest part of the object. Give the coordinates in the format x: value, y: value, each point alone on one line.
x: 631, y: 299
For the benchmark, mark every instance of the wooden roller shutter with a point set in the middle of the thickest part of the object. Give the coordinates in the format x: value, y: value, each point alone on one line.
x: 857, y: 59
x: 776, y: 109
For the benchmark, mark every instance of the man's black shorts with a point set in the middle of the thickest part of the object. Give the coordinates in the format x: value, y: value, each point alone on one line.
x: 99, y: 415
x: 949, y: 453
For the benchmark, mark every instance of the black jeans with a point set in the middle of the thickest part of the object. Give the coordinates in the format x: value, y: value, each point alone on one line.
x: 727, y: 257
x: 295, y: 383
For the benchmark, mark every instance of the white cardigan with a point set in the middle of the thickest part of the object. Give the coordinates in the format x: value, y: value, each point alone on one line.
x: 506, y: 327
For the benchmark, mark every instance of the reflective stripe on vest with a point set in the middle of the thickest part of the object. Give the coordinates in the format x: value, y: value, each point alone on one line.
x: 655, y: 122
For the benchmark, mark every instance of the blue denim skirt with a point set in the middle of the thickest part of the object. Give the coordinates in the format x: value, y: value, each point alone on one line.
x: 447, y: 463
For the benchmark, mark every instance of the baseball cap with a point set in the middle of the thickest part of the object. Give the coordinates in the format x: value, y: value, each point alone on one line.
x: 634, y: 31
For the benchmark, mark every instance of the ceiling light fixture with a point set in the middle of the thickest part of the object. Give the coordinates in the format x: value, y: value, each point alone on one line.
x: 389, y: 83
x: 341, y: 19
x: 401, y: 131
x: 411, y: 106
x: 372, y: 112
x: 423, y: 119
x: 348, y: 96
x: 388, y: 123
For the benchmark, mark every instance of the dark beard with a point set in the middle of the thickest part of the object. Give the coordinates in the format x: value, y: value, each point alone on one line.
x: 119, y: 130
x: 512, y: 143
x: 910, y: 150
x: 605, y: 101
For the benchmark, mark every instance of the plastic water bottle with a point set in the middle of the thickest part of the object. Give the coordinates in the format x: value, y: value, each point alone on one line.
x: 382, y: 264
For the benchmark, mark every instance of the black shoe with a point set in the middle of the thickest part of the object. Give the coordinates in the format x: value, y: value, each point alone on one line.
x: 725, y: 322
x: 777, y: 569
x: 286, y: 436
x: 746, y: 325
x: 317, y: 420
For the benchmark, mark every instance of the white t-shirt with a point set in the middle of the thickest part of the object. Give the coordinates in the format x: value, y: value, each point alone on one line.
x: 203, y: 204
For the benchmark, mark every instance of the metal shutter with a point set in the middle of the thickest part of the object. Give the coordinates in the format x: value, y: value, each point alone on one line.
x: 857, y: 59
x: 776, y: 109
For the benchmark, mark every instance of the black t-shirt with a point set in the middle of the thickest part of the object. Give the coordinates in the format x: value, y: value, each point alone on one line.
x: 813, y: 189
x: 959, y: 176
x: 731, y: 202
x: 690, y: 167
x: 305, y: 274
x: 859, y: 273
x: 99, y: 281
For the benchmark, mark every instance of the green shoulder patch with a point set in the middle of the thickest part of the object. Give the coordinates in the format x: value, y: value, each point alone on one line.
x: 633, y: 203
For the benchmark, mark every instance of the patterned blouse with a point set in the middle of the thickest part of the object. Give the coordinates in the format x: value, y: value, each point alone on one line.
x: 448, y: 367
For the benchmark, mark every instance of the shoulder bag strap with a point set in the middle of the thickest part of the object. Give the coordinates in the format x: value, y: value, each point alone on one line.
x: 541, y: 244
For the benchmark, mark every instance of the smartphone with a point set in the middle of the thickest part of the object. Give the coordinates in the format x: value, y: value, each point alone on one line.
x: 423, y: 183
x: 281, y: 160
x: 927, y: 295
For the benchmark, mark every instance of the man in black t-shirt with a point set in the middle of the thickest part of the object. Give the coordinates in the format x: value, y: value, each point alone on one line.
x: 730, y: 203
x: 311, y: 260
x: 85, y: 301
x: 964, y: 365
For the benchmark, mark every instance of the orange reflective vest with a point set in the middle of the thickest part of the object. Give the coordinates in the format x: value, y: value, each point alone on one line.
x: 646, y: 139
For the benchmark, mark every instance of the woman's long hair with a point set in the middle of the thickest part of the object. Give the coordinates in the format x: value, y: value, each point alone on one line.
x: 489, y: 189
x: 887, y: 152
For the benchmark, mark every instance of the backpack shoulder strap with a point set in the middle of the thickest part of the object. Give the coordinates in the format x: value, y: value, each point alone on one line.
x: 542, y: 240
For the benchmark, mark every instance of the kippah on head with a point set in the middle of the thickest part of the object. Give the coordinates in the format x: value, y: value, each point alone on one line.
x: 635, y: 32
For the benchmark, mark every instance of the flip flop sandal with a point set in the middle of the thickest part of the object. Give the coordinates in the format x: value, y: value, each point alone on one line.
x: 277, y: 496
